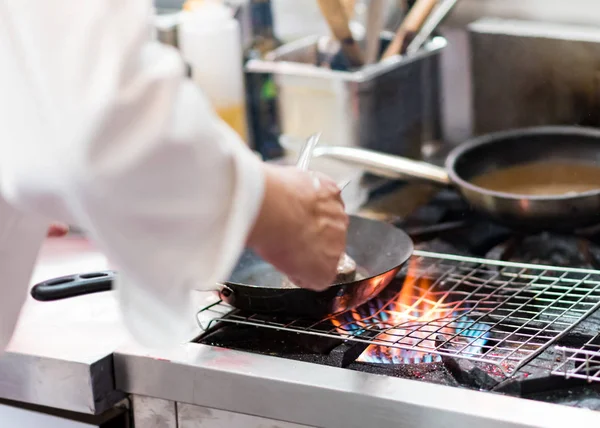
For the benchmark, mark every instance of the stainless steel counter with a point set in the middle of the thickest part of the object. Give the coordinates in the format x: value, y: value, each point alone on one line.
x: 321, y: 396
x: 60, y: 355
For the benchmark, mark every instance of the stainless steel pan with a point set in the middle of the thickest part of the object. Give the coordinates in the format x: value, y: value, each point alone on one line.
x: 497, y: 151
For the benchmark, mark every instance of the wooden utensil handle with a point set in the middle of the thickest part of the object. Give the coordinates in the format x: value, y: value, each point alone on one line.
x: 411, y: 24
x: 349, y: 6
x: 336, y: 18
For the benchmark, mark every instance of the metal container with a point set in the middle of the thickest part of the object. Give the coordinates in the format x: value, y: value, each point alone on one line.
x: 392, y: 106
x: 527, y: 73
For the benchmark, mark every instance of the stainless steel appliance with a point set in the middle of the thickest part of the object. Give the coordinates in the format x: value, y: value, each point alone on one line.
x: 527, y: 73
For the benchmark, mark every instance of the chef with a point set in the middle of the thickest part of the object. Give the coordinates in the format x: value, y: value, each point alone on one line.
x: 99, y: 128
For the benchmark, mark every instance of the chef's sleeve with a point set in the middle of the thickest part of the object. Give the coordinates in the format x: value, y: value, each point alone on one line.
x: 145, y: 166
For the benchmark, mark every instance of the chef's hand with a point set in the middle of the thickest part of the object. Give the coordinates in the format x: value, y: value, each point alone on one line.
x: 56, y: 230
x: 301, y: 227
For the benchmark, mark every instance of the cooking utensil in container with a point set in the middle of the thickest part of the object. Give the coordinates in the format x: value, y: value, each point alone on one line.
x: 349, y: 6
x: 434, y: 20
x: 414, y: 20
x: 390, y: 106
x: 337, y: 19
x: 374, y: 24
x: 500, y: 151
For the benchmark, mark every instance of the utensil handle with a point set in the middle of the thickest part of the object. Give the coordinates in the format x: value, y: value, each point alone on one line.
x: 336, y: 18
x: 373, y: 30
x: 437, y: 16
x: 73, y: 285
x: 385, y: 165
x: 349, y: 6
x: 411, y: 24
x: 306, y: 152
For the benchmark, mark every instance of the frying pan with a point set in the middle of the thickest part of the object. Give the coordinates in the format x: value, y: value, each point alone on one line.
x: 379, y: 250
x: 495, y: 152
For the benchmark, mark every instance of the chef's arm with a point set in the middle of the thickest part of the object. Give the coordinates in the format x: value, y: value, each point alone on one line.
x: 163, y: 186
x: 171, y: 206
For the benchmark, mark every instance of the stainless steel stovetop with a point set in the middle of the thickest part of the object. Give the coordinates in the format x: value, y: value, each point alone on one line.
x: 479, y: 306
x: 466, y: 336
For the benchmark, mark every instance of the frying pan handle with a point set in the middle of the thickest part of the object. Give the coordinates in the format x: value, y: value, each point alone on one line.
x: 385, y: 165
x: 73, y: 285
x: 225, y: 292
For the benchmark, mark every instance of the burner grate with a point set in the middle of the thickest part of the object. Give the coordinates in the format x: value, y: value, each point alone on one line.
x: 579, y: 363
x: 495, y: 312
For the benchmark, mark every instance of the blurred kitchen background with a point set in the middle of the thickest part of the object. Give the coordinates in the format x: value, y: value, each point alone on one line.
x: 497, y: 64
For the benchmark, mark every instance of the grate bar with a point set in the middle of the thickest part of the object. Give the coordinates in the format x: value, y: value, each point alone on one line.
x: 488, y: 311
x: 501, y: 263
x: 579, y: 363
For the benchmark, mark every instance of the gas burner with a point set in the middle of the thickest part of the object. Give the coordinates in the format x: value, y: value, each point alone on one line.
x: 414, y: 322
x: 462, y: 338
x: 548, y: 248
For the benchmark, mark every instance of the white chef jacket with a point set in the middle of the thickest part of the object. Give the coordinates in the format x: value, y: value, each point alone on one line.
x: 99, y: 128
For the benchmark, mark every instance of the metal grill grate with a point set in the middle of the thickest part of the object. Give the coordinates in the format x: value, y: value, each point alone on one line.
x: 488, y: 311
x: 579, y: 363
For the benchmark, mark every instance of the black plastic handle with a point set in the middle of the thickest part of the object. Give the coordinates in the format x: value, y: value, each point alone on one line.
x: 73, y: 285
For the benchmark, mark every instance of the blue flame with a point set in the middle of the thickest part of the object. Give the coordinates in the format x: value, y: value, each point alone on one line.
x: 463, y: 336
x: 467, y: 329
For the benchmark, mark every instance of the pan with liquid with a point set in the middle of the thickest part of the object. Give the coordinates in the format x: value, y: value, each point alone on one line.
x: 534, y: 178
x: 549, y: 178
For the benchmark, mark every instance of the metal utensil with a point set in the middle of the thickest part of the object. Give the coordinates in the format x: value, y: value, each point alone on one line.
x: 374, y: 24
x: 306, y: 152
x: 434, y: 20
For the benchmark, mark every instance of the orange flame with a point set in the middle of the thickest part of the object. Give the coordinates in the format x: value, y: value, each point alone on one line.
x: 414, y: 320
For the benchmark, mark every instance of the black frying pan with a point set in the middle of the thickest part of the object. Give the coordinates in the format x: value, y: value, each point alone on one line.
x: 503, y: 150
x: 379, y: 250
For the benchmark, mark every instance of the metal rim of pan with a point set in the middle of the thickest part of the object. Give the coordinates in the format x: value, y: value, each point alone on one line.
x: 493, y: 138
